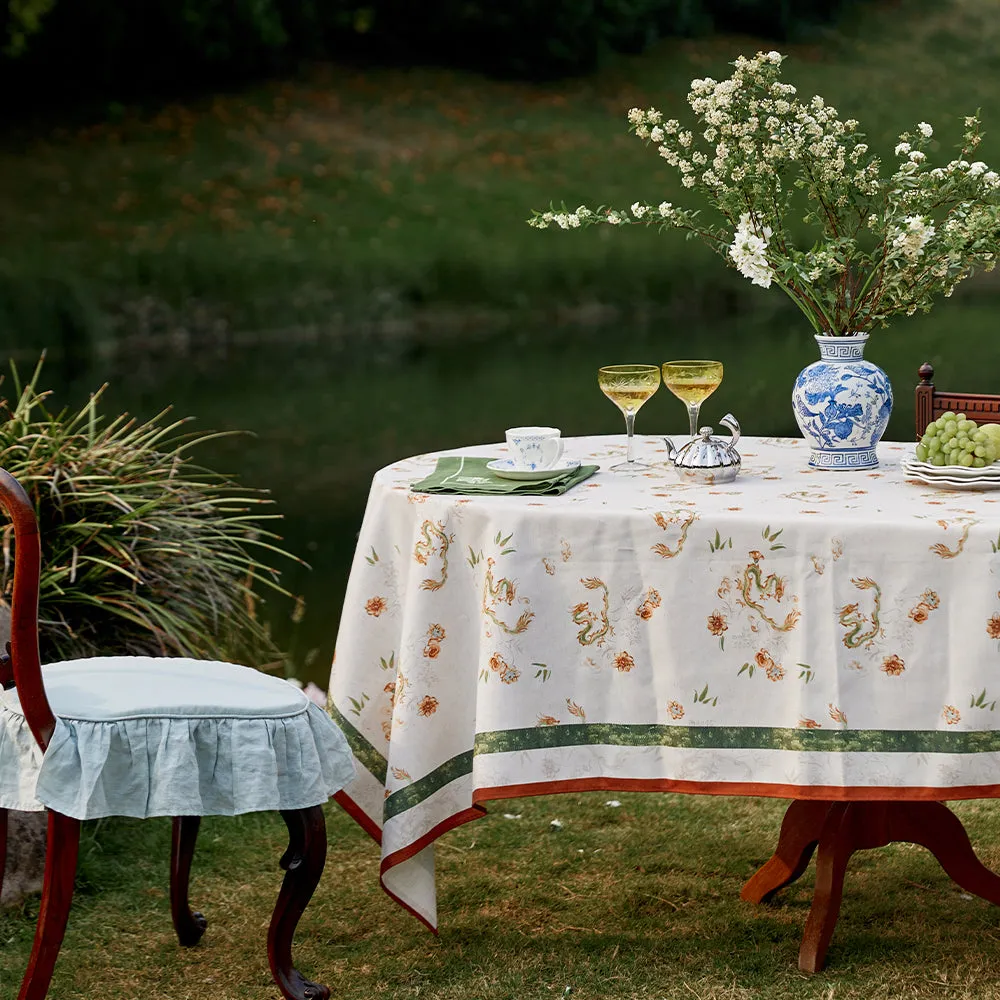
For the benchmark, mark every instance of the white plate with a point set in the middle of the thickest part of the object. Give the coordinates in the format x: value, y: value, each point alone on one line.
x: 987, y: 472
x: 505, y: 469
x: 944, y: 483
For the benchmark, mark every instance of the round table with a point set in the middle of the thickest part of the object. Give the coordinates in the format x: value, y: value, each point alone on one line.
x: 830, y: 637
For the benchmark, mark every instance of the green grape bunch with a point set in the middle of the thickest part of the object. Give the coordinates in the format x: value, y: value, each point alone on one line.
x: 953, y: 439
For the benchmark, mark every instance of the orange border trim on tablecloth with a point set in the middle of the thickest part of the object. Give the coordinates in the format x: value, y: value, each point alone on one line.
x: 832, y: 793
x: 405, y: 853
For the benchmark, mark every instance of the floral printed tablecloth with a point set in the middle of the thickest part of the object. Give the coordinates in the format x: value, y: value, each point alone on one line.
x: 796, y: 633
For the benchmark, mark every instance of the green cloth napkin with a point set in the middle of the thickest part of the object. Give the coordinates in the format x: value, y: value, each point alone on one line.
x: 468, y: 474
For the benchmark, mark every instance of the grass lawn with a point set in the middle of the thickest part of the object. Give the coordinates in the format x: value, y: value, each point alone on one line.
x: 640, y: 901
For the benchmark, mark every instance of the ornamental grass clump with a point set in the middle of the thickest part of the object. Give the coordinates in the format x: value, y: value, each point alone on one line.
x: 760, y: 155
x: 143, y: 552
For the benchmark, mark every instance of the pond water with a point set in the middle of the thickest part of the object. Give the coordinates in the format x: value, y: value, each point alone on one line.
x: 325, y: 415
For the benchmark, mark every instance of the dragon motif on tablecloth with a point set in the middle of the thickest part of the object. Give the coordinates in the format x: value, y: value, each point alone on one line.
x: 426, y: 547
x: 499, y: 592
x: 664, y: 521
x: 862, y: 630
x: 942, y: 550
x: 771, y: 586
x: 596, y: 625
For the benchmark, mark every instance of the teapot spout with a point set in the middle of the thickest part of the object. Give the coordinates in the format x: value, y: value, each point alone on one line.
x: 671, y: 450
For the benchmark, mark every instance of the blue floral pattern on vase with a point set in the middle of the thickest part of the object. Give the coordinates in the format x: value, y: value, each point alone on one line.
x: 842, y: 404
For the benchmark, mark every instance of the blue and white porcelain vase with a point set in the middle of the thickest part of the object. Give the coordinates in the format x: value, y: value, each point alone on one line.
x: 842, y: 404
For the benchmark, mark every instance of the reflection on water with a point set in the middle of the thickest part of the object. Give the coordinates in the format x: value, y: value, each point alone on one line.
x: 324, y: 416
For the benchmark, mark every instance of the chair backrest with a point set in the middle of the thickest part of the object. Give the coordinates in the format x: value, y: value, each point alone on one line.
x: 24, y: 663
x: 931, y: 403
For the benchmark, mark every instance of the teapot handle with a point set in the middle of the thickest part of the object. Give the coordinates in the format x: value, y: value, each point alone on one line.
x: 734, y: 427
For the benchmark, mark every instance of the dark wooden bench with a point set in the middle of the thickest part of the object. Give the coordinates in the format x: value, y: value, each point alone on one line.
x: 931, y: 403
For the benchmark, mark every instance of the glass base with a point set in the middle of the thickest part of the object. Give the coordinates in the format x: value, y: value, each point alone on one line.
x: 635, y: 466
x: 849, y: 458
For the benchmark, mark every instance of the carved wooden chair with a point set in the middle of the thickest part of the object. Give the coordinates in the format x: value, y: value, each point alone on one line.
x: 931, y: 402
x: 156, y: 736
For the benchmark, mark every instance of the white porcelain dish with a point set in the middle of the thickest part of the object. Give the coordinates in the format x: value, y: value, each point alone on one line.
x: 987, y: 472
x: 956, y: 483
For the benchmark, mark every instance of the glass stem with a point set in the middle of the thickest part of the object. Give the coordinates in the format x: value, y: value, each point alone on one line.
x: 629, y: 426
x: 693, y: 409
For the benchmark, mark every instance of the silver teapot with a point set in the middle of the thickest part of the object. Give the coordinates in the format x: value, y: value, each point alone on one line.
x: 706, y: 459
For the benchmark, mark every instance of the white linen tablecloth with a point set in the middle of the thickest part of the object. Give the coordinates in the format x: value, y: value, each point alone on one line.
x: 796, y: 633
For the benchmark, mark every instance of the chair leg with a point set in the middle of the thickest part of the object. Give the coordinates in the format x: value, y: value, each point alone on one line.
x: 3, y: 847
x: 303, y: 864
x: 189, y: 925
x: 61, y: 852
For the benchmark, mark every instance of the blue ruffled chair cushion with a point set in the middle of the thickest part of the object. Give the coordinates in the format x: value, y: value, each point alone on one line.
x: 167, y: 736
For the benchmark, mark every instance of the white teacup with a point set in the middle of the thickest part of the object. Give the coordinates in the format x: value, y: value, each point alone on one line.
x: 534, y: 447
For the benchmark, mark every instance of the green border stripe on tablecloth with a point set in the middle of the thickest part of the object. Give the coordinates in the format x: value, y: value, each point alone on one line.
x: 418, y: 790
x: 373, y: 761
x: 741, y: 738
x: 690, y: 737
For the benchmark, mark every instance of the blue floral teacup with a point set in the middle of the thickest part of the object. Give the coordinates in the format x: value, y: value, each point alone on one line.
x: 534, y: 447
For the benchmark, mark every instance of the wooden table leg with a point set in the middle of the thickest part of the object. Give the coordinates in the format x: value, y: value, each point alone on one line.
x: 841, y: 828
x: 836, y: 845
x: 800, y: 830
x: 934, y: 826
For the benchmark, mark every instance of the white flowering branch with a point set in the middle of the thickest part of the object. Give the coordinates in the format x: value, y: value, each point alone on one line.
x: 885, y: 245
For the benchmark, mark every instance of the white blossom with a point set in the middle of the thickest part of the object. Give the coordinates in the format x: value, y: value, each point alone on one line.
x: 902, y: 236
x: 914, y: 237
x: 749, y: 252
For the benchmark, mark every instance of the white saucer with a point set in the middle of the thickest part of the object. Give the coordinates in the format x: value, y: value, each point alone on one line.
x: 505, y: 469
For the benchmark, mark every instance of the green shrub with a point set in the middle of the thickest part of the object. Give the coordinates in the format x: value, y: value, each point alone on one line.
x: 143, y: 552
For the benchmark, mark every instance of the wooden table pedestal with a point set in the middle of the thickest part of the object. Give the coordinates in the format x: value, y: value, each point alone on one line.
x: 841, y: 828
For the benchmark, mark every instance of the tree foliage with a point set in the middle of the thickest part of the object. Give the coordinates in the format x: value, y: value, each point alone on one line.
x: 122, y: 50
x: 24, y: 18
